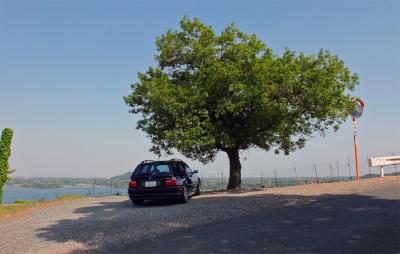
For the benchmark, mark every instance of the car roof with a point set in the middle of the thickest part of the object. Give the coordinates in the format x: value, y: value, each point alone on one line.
x: 162, y: 161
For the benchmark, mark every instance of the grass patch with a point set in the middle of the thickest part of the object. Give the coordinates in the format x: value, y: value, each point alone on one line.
x: 69, y: 197
x: 22, y: 201
x: 23, y: 206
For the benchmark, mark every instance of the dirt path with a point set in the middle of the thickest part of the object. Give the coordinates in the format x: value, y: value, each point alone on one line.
x: 111, y: 224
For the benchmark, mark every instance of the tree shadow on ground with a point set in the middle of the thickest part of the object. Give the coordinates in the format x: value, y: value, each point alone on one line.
x: 252, y: 224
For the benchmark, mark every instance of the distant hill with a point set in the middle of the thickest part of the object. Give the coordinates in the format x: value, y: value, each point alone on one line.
x: 123, y: 177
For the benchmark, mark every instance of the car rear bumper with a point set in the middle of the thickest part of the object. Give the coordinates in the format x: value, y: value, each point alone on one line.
x: 154, y: 194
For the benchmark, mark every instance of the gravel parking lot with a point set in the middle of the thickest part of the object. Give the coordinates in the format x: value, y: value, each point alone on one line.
x: 112, y: 224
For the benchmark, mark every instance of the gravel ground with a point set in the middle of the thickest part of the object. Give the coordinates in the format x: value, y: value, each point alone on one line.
x: 112, y: 222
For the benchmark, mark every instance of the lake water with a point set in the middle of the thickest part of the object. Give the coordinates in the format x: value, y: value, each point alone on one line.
x: 10, y: 194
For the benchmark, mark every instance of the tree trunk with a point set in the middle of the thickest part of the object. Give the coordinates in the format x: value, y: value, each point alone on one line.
x: 234, y: 169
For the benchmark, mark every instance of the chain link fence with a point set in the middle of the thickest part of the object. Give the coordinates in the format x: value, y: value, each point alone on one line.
x: 333, y: 171
x: 103, y: 187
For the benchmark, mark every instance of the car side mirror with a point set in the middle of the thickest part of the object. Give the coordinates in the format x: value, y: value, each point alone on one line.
x: 195, y: 171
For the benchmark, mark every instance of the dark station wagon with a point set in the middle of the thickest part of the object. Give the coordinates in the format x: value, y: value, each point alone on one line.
x: 152, y: 180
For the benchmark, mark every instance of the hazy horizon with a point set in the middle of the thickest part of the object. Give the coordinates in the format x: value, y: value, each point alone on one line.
x: 65, y: 66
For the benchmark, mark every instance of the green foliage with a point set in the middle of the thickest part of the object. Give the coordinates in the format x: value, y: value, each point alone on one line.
x: 229, y: 92
x: 5, y: 152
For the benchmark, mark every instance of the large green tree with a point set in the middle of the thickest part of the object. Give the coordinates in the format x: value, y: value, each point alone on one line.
x: 5, y: 152
x: 229, y: 92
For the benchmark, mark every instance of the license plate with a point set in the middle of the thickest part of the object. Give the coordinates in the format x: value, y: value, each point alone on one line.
x: 150, y: 184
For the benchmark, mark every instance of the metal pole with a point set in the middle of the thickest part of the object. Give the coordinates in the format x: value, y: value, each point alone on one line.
x: 316, y: 175
x: 94, y: 186
x: 369, y: 168
x: 395, y: 166
x: 111, y: 186
x: 355, y: 147
x: 222, y: 181
x: 202, y: 181
x: 295, y: 172
x: 261, y: 179
x: 276, y: 182
x: 330, y: 167
x: 337, y: 166
x: 348, y: 164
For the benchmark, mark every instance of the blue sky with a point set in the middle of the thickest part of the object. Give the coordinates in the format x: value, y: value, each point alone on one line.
x: 65, y: 66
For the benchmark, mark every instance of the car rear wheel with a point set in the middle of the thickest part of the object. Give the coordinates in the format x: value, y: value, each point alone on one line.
x: 184, y: 195
x: 137, y: 201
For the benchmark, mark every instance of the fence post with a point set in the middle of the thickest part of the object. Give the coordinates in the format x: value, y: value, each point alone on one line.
x: 369, y: 168
x: 295, y: 172
x: 111, y: 186
x: 94, y: 187
x: 348, y: 164
x: 222, y: 181
x: 276, y: 182
x: 202, y: 181
x: 330, y: 167
x: 395, y: 166
x: 337, y: 166
x: 316, y: 175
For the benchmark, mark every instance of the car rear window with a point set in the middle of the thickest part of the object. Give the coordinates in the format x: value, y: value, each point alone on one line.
x: 153, y: 169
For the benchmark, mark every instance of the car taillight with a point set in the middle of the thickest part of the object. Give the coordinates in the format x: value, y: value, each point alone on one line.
x: 171, y: 182
x: 133, y: 184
